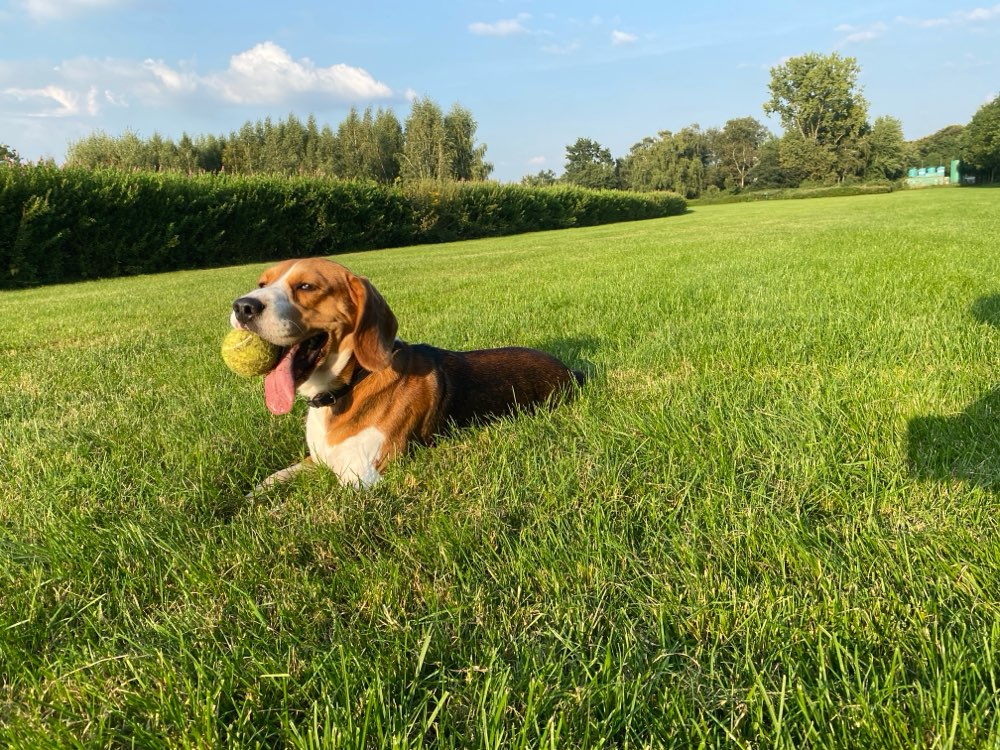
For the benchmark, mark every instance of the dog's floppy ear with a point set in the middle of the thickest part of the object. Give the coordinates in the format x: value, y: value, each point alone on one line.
x: 374, y: 327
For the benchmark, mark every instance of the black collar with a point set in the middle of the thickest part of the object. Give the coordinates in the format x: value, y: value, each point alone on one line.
x: 330, y: 397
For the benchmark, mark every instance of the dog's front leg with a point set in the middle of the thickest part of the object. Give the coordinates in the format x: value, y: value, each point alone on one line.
x: 281, y: 476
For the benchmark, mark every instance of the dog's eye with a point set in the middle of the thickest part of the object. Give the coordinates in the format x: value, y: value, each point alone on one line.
x: 261, y: 284
x: 304, y: 287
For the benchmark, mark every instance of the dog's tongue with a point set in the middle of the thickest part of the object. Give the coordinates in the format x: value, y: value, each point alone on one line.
x: 279, y: 386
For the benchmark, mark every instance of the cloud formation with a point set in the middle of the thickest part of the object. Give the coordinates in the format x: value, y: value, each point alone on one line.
x: 504, y: 27
x: 264, y: 74
x: 957, y: 18
x: 267, y: 74
x: 68, y: 102
x: 619, y: 38
x: 858, y: 34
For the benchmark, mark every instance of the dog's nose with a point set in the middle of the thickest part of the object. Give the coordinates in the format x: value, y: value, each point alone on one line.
x: 247, y: 308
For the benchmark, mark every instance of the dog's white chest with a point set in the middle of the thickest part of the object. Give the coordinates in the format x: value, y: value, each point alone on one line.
x: 354, y: 459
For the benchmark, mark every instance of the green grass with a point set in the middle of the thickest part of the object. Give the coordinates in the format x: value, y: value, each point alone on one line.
x: 770, y: 519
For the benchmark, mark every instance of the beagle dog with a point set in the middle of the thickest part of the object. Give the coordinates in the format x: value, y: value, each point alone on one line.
x: 369, y: 393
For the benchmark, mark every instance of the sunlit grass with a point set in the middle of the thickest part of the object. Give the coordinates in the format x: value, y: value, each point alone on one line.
x: 769, y: 520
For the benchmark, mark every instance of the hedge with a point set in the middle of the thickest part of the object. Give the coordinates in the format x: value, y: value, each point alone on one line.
x: 828, y: 191
x: 59, y: 225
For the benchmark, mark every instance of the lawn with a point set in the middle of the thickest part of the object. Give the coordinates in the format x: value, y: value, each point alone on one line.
x: 769, y: 520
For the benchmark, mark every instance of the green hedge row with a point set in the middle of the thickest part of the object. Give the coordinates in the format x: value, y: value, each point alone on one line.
x: 775, y: 194
x: 70, y: 224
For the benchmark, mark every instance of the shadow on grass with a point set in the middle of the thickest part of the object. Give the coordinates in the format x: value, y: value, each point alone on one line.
x: 963, y: 446
x: 574, y: 351
x: 987, y: 310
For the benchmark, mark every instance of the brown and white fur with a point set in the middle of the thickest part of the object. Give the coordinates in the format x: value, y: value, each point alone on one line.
x: 374, y: 394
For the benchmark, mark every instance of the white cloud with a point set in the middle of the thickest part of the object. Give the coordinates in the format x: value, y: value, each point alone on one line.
x: 172, y: 80
x: 410, y: 95
x: 619, y: 38
x: 980, y: 14
x: 264, y: 74
x: 68, y: 101
x: 957, y: 18
x: 92, y: 104
x: 267, y: 74
x: 115, y: 100
x: 857, y: 34
x: 60, y: 10
x: 923, y: 23
x: 504, y: 27
x: 537, y: 161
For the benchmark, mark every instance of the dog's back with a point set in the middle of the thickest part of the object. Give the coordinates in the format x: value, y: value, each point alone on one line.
x: 480, y: 385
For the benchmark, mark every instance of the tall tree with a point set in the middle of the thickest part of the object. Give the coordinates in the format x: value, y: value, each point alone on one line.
x: 649, y: 164
x: 425, y: 151
x: 467, y: 160
x: 737, y: 149
x: 681, y: 161
x: 768, y: 172
x: 387, y: 134
x: 818, y: 99
x: 589, y: 164
x: 187, y: 155
x: 981, y: 142
x: 937, y: 149
x: 351, y: 145
x: 806, y: 160
x: 885, y: 149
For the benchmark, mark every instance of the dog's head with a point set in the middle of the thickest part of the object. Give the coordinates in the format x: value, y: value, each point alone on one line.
x: 321, y: 315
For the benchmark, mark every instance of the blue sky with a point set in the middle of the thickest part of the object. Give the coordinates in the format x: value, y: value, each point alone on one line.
x: 536, y: 75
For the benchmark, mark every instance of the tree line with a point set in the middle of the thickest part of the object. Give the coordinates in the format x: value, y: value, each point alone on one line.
x: 827, y: 139
x: 429, y: 145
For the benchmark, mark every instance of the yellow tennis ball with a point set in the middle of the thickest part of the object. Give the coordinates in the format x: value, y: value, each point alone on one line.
x: 247, y: 354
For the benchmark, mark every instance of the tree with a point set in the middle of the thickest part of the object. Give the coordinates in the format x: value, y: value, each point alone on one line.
x: 937, y: 149
x: 885, y: 150
x: 466, y: 160
x: 349, y: 163
x: 805, y: 160
x: 589, y: 164
x: 8, y: 155
x: 768, y: 171
x: 387, y: 136
x: 425, y: 153
x: 820, y: 106
x: 737, y: 149
x: 681, y: 161
x: 981, y: 141
x: 187, y: 155
x: 544, y: 178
